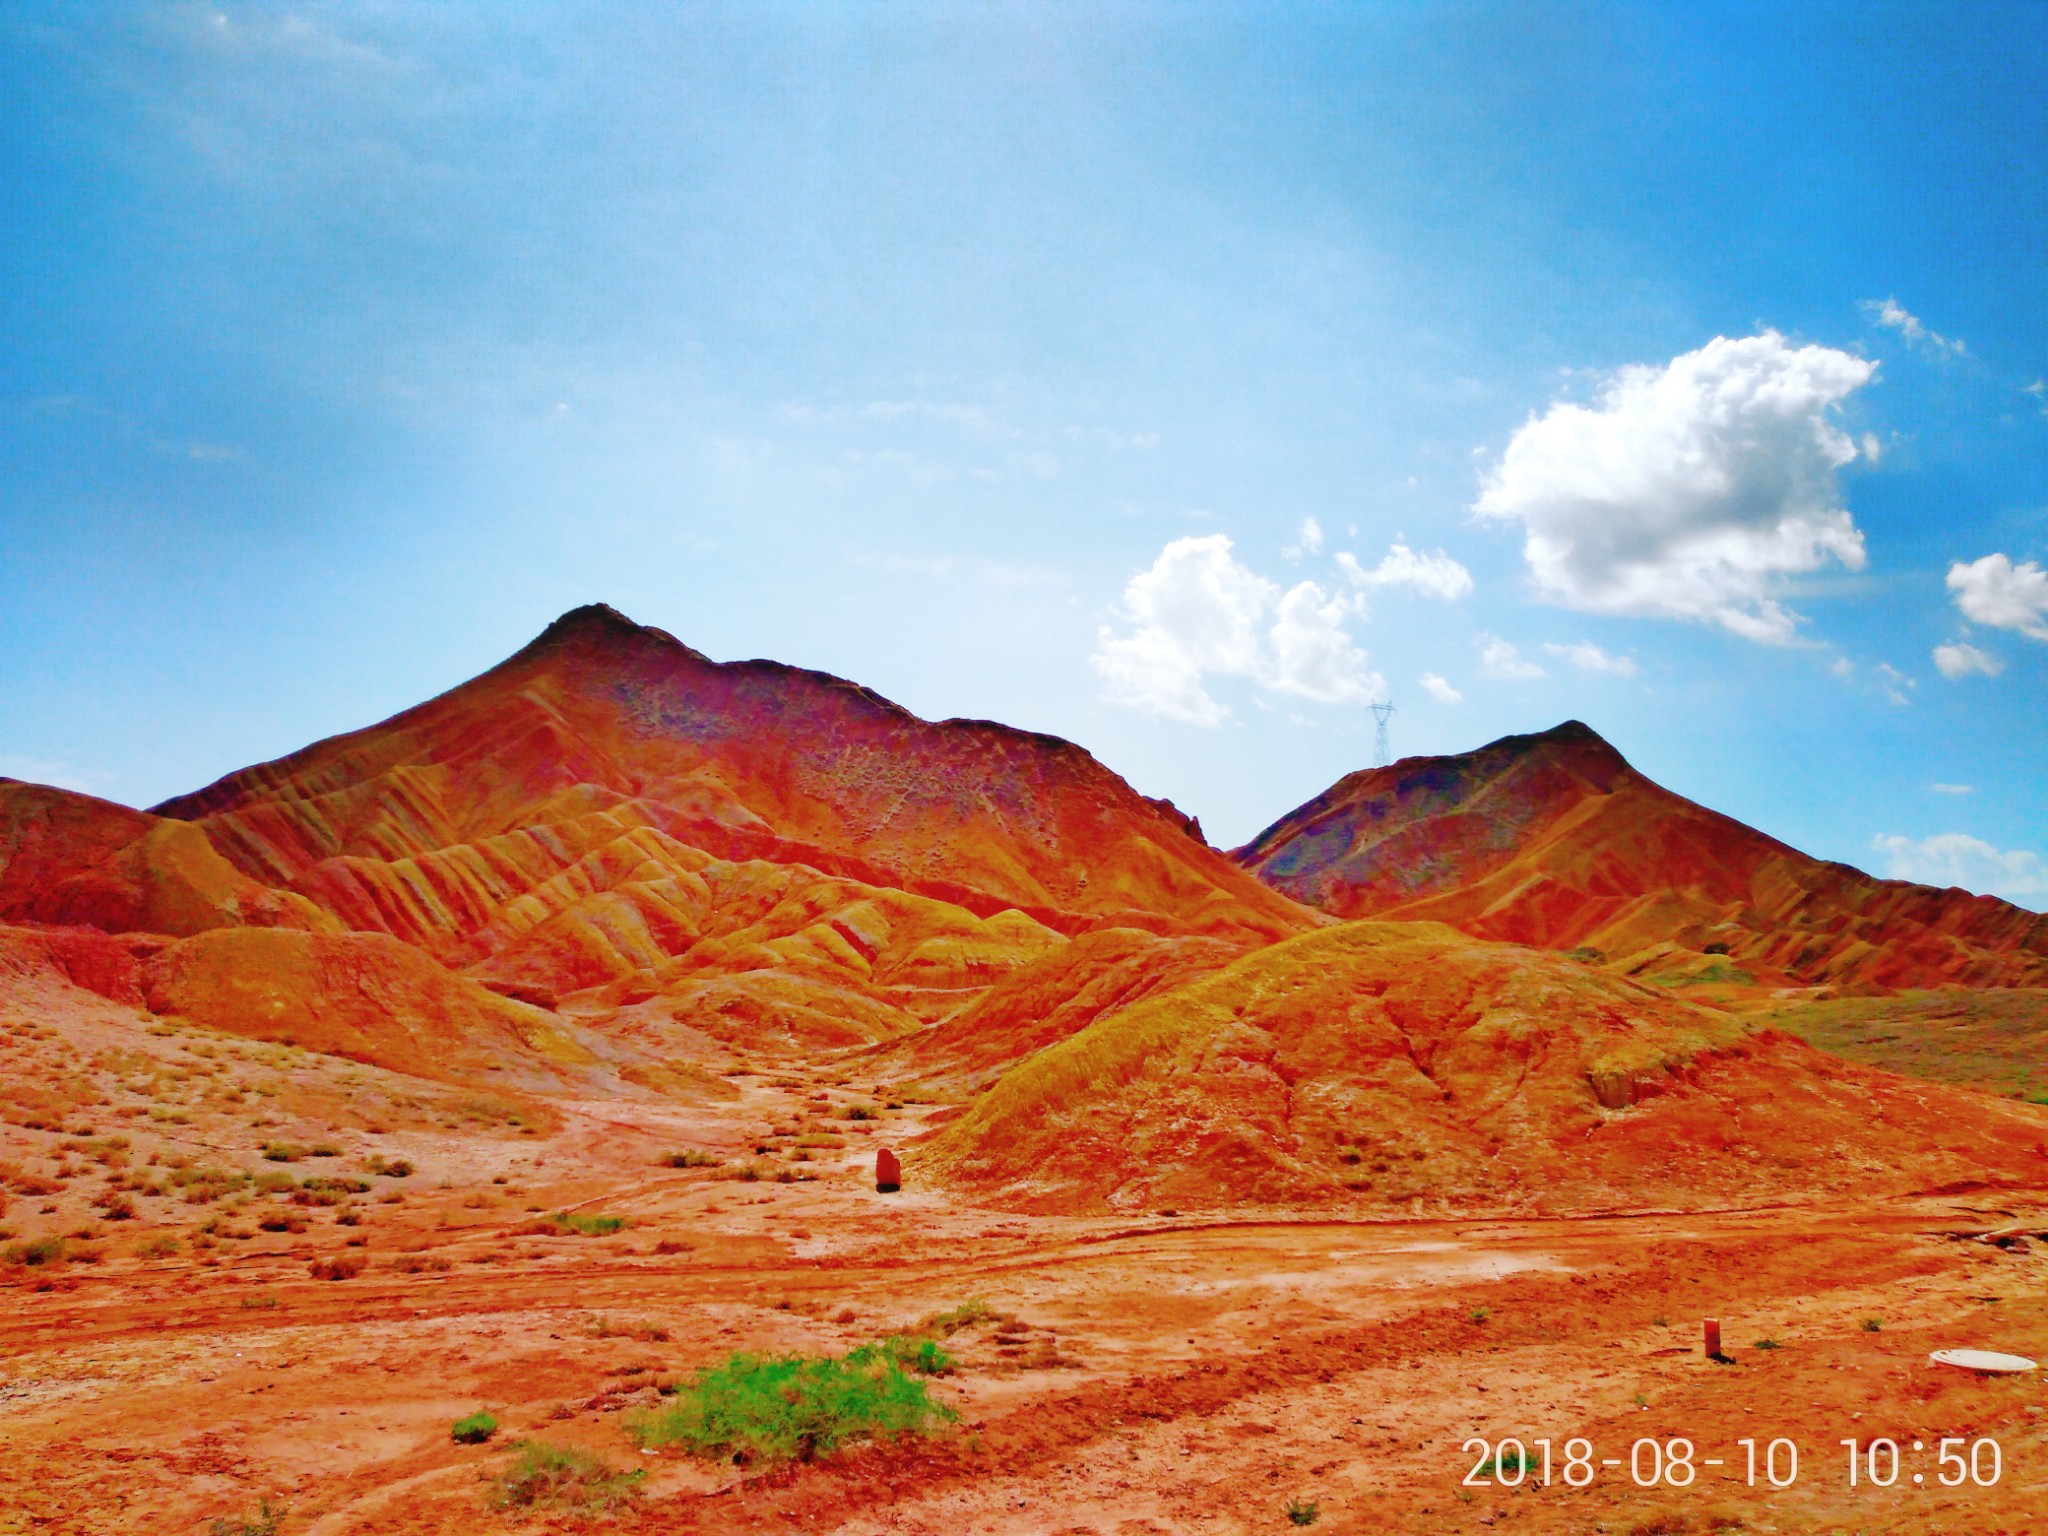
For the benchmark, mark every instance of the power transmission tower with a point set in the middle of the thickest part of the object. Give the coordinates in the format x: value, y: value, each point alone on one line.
x: 1382, y: 754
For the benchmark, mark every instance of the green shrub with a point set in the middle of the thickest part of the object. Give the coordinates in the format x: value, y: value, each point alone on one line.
x: 263, y: 1523
x: 1303, y: 1511
x: 921, y: 1356
x: 475, y: 1429
x: 690, y: 1159
x: 557, y: 1222
x: 1766, y: 1344
x: 336, y: 1185
x: 282, y: 1152
x: 790, y: 1407
x: 40, y: 1250
x: 945, y: 1324
x: 561, y: 1477
x: 1872, y: 1324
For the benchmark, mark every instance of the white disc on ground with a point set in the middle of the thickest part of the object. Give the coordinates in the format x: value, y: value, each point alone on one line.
x: 1985, y: 1360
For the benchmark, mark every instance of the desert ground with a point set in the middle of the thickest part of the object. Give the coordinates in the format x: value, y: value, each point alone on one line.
x: 187, y: 1368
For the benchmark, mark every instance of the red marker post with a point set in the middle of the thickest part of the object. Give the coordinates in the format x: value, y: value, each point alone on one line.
x: 1713, y: 1338
x: 888, y: 1172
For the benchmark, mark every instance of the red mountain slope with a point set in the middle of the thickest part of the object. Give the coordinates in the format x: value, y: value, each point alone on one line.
x: 1407, y: 1065
x: 1553, y: 840
x: 69, y: 859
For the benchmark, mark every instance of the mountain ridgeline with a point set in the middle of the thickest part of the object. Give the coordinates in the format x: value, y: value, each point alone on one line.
x: 610, y: 865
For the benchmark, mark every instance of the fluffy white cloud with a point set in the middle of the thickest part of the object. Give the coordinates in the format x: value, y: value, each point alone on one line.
x: 1953, y: 789
x: 1956, y: 858
x: 1436, y: 574
x: 1588, y: 657
x: 1311, y: 655
x: 1689, y: 491
x: 1440, y: 690
x: 1890, y: 312
x: 1994, y: 591
x: 1501, y: 659
x: 1308, y: 542
x: 1197, y: 612
x: 1960, y: 660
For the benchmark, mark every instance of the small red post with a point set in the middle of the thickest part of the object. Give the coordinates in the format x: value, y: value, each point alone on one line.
x: 1713, y: 1338
x: 888, y: 1172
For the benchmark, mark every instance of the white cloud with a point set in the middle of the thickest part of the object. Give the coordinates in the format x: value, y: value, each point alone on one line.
x: 1197, y: 612
x: 1308, y: 542
x: 2039, y: 390
x: 1956, y: 858
x: 1588, y: 657
x: 1994, y: 591
x: 1440, y: 690
x: 1312, y: 656
x: 1891, y: 313
x: 1690, y: 491
x: 1436, y: 574
x: 1953, y: 789
x: 1501, y: 659
x: 1960, y: 660
x: 1895, y: 683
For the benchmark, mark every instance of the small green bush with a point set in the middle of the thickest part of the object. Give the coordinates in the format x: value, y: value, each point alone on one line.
x: 690, y: 1159
x: 1766, y: 1344
x: 263, y: 1523
x: 1303, y: 1511
x: 475, y: 1429
x: 966, y: 1315
x: 336, y: 1185
x: 1497, y: 1466
x: 562, y: 1477
x: 40, y: 1250
x: 575, y: 1221
x: 922, y: 1357
x: 790, y: 1407
x: 1872, y: 1324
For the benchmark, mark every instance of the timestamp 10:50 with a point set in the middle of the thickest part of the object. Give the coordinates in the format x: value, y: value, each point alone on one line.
x: 1674, y: 1463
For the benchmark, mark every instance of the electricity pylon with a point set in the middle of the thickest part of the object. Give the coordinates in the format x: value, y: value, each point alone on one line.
x: 1382, y: 754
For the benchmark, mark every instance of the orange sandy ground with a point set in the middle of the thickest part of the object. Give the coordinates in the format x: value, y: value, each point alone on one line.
x: 1177, y: 1375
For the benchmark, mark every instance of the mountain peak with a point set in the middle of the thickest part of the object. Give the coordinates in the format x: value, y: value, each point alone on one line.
x: 603, y: 626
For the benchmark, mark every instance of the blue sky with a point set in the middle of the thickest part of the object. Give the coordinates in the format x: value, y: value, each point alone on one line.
x: 1173, y: 378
